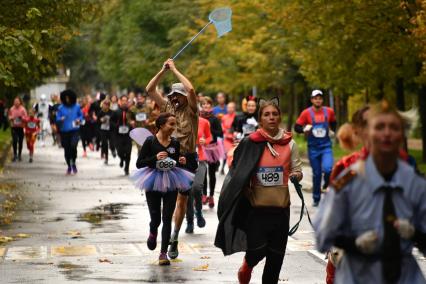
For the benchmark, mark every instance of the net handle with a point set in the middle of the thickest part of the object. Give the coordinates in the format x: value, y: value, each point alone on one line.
x: 186, y: 45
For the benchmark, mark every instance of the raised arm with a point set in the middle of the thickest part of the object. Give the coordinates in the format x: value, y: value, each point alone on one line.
x: 192, y: 97
x: 151, y: 88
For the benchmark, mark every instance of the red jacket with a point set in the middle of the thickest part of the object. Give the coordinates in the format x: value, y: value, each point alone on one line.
x: 203, y: 131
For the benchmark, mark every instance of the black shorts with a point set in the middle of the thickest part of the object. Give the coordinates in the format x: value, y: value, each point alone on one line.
x: 191, y: 165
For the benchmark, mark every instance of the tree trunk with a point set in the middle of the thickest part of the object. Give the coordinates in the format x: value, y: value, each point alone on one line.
x: 400, y: 99
x: 291, y: 108
x: 422, y: 110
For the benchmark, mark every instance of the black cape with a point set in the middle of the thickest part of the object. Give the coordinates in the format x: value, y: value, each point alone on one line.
x: 233, y: 206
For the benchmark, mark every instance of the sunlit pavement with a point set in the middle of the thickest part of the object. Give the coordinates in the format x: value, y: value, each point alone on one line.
x: 92, y: 228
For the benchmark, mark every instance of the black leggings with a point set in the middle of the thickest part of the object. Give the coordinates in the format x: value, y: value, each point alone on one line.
x: 69, y: 141
x: 153, y: 199
x: 124, y: 149
x: 212, y: 168
x: 267, y: 235
x: 194, y: 199
x: 17, y: 140
x: 106, y: 141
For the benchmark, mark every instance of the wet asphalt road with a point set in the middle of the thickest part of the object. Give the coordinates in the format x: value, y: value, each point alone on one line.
x: 92, y: 228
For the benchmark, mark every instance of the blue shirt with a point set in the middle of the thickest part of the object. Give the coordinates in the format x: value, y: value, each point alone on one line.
x: 218, y: 110
x: 358, y: 208
x: 67, y: 116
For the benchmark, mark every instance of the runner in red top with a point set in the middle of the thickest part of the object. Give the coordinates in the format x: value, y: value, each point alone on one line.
x: 31, y: 127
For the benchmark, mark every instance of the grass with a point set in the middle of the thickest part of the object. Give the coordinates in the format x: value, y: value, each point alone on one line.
x: 338, y: 152
x: 5, y: 138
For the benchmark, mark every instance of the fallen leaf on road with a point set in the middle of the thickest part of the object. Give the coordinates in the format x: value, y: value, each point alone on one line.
x: 102, y: 260
x: 22, y: 236
x: 4, y: 239
x: 201, y: 268
x: 74, y: 234
x: 205, y: 257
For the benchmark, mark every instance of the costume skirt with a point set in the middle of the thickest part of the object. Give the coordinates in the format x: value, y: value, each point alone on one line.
x: 150, y: 179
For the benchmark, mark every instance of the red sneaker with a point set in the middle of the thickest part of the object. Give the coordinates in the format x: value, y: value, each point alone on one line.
x: 211, y: 201
x: 244, y: 273
x: 204, y: 199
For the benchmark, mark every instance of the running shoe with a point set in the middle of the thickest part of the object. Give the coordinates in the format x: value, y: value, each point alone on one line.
x: 173, y: 249
x: 14, y: 159
x: 189, y: 228
x: 31, y: 160
x: 152, y: 241
x: 201, y: 222
x: 74, y: 169
x: 163, y: 260
x: 204, y: 199
x: 211, y: 201
x: 244, y: 273
x: 121, y: 163
x: 91, y: 147
x: 106, y: 162
x: 69, y: 171
x: 315, y: 204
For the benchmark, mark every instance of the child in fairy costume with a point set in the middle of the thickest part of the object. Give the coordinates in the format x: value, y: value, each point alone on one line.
x: 160, y: 176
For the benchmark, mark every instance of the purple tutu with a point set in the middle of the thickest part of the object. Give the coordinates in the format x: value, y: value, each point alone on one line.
x: 215, y: 152
x: 150, y: 179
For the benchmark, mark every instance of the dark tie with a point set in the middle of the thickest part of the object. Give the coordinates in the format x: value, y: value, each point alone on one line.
x: 391, y: 251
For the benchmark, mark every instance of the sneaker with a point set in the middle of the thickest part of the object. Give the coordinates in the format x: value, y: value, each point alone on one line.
x: 91, y: 147
x: 121, y: 163
x: 315, y: 203
x: 201, y: 222
x: 14, y: 159
x: 152, y: 241
x: 163, y: 260
x: 68, y: 171
x: 74, y: 169
x: 106, y: 162
x: 84, y: 154
x: 31, y: 160
x: 189, y: 228
x: 244, y: 273
x: 204, y: 199
x: 19, y: 158
x: 211, y: 201
x: 173, y: 249
x: 126, y: 172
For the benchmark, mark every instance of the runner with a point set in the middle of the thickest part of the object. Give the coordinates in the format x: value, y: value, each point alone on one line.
x: 69, y: 118
x: 375, y: 210
x: 104, y: 119
x: 94, y: 110
x: 254, y: 205
x: 159, y: 161
x: 16, y: 115
x: 195, y: 200
x: 43, y: 108
x: 123, y: 121
x: 221, y: 109
x: 114, y: 103
x: 86, y: 130
x: 228, y: 132
x: 141, y: 113
x: 52, y: 117
x: 182, y: 102
x: 316, y: 122
x: 214, y: 151
x: 32, y: 127
x: 246, y: 123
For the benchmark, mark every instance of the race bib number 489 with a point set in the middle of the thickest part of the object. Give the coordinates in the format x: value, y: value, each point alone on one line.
x: 270, y: 176
x: 166, y: 164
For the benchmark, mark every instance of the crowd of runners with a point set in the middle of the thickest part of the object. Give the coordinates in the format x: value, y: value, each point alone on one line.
x: 372, y: 203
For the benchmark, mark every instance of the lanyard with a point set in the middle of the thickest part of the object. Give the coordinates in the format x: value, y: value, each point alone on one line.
x: 124, y: 117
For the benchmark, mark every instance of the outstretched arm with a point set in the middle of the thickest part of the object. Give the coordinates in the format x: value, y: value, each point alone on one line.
x: 151, y: 88
x: 192, y: 98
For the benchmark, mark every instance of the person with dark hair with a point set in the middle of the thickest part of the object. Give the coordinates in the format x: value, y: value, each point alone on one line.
x: 69, y: 118
x: 246, y: 123
x: 123, y: 121
x: 52, y: 118
x: 182, y: 102
x: 94, y: 110
x: 375, y: 210
x: 220, y: 110
x: 104, y: 119
x: 16, y: 115
x: 32, y: 127
x: 86, y: 129
x: 316, y: 122
x: 216, y: 146
x: 254, y: 204
x: 160, y: 176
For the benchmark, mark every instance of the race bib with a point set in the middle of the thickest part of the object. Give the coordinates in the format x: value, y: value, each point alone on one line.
x: 123, y: 129
x: 105, y: 126
x: 141, y: 116
x: 270, y: 176
x: 166, y: 165
x: 319, y: 132
x: 248, y: 128
x: 31, y: 125
x: 17, y: 121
